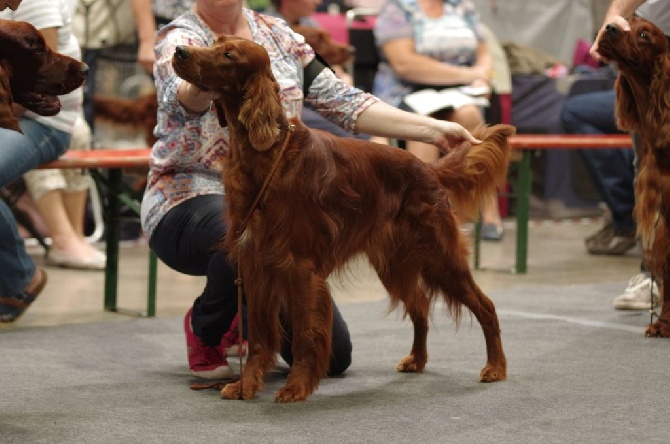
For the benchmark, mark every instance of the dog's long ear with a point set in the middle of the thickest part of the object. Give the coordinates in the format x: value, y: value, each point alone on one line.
x: 658, y: 111
x: 7, y: 118
x: 261, y: 110
x: 220, y: 113
x: 627, y: 117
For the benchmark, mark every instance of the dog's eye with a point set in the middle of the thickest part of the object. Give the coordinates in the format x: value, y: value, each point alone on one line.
x: 228, y: 55
x: 643, y: 35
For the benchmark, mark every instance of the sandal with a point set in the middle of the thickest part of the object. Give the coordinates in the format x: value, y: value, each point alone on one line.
x: 11, y: 308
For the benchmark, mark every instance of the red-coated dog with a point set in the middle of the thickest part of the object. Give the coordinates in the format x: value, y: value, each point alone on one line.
x: 643, y: 105
x: 322, y: 43
x: 330, y: 199
x: 139, y: 113
x: 31, y: 74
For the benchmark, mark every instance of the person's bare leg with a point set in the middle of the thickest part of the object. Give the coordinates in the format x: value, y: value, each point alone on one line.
x: 64, y: 238
x: 75, y: 207
x: 424, y: 151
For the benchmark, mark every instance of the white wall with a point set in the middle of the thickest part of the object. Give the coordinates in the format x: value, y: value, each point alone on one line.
x: 553, y: 26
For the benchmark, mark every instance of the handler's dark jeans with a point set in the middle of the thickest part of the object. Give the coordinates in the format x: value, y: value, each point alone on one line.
x: 188, y: 240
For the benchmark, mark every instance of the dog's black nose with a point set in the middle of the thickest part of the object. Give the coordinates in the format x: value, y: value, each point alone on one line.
x: 181, y: 52
x: 83, y: 69
x: 612, y: 29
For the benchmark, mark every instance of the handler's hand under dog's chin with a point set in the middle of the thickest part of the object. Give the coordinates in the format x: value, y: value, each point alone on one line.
x: 453, y: 136
x: 618, y: 21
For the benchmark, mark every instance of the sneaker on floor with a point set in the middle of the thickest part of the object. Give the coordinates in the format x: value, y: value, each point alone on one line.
x: 492, y: 232
x: 614, y: 245
x: 637, y: 295
x: 605, y: 232
x: 205, y: 361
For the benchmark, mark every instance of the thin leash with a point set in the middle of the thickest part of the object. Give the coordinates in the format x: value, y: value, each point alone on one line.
x: 238, y: 233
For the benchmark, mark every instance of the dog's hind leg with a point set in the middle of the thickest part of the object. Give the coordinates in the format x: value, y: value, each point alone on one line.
x: 310, y: 312
x: 404, y: 286
x: 452, y: 275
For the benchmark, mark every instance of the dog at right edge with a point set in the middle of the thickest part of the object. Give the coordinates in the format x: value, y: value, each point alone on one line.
x: 329, y: 199
x: 643, y: 105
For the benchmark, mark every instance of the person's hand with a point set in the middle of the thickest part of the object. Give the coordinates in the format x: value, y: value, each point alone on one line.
x: 195, y: 99
x: 617, y: 21
x: 481, y: 74
x: 451, y: 135
x: 11, y: 4
x: 145, y: 55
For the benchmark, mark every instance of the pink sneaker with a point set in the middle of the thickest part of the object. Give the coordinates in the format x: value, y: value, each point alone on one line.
x: 231, y: 341
x: 205, y: 361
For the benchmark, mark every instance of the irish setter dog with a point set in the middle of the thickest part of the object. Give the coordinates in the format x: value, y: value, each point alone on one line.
x: 31, y: 74
x: 643, y: 106
x: 330, y: 199
x: 333, y: 52
x: 139, y: 113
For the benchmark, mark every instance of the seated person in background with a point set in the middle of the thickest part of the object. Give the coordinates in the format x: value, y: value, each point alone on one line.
x: 60, y: 197
x: 434, y: 44
x: 611, y: 170
x: 613, y: 174
x: 53, y: 19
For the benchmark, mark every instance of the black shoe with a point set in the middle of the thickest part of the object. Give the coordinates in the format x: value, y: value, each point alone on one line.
x: 615, y: 245
x: 605, y: 232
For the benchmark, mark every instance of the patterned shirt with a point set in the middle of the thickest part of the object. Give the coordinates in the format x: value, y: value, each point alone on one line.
x: 451, y: 38
x: 187, y: 158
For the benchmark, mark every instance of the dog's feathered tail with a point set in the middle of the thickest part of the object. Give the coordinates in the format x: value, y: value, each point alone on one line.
x: 472, y: 174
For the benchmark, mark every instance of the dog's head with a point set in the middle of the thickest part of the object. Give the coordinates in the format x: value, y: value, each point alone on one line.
x: 239, y: 70
x: 333, y: 52
x: 642, y: 58
x: 35, y: 74
x: 635, y: 52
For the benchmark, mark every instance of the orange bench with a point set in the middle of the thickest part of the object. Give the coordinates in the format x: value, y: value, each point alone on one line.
x: 111, y: 186
x: 115, y: 160
x: 524, y: 146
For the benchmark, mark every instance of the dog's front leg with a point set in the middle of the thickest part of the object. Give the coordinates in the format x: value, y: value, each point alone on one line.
x: 310, y: 312
x: 661, y: 328
x: 263, y: 302
x: 251, y: 381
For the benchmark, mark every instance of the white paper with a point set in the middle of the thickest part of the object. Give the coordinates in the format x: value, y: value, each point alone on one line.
x: 428, y: 101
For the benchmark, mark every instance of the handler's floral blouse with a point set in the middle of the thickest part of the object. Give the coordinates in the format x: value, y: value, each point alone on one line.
x: 187, y: 158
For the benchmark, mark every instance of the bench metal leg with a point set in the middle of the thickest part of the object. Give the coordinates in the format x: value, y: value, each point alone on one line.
x: 151, y: 290
x: 524, y: 180
x: 115, y: 195
x: 112, y: 238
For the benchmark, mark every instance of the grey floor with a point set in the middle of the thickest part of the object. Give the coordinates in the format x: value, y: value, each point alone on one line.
x: 579, y: 371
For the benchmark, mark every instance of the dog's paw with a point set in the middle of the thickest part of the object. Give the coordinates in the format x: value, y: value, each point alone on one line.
x: 291, y: 393
x: 493, y: 373
x: 658, y: 329
x: 410, y: 364
x: 232, y: 391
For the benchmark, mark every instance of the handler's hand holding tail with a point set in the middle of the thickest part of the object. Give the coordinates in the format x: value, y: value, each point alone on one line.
x: 451, y: 135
